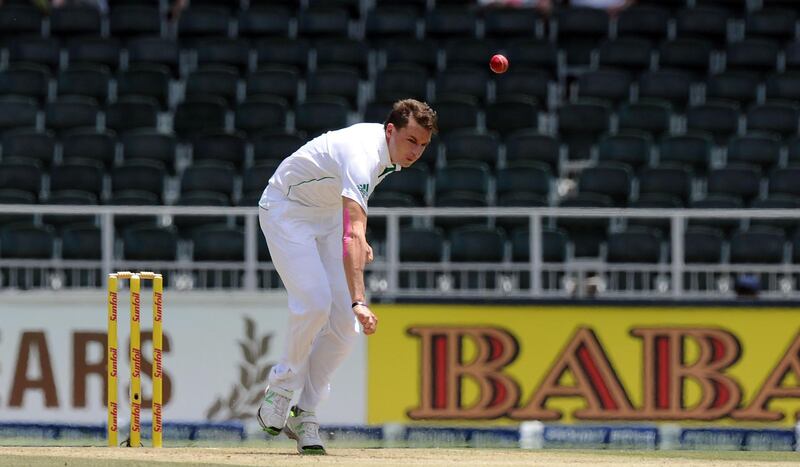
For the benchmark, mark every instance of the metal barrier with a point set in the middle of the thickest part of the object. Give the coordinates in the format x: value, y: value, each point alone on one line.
x: 513, y: 280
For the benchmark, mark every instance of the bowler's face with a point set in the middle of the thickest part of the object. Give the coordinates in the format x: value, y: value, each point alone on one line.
x: 407, y: 144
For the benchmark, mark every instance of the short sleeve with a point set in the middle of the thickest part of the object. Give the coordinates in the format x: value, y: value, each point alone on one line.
x: 356, y: 178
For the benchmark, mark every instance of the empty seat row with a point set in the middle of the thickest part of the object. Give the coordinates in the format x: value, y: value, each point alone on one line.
x: 79, y: 181
x: 186, y: 225
x: 514, y: 108
x: 297, y: 53
x: 609, y: 184
x: 694, y: 55
x: 450, y: 20
x: 127, y: 21
x: 582, y: 122
x: 407, y: 80
x: 41, y: 146
x: 95, y: 81
x: 633, y: 245
x: 78, y: 112
x: 677, y: 87
x: 146, y: 144
x: 741, y: 182
x: 81, y: 241
x: 191, y: 117
x: 771, y: 128
x: 692, y: 152
x: 144, y: 175
x: 758, y: 245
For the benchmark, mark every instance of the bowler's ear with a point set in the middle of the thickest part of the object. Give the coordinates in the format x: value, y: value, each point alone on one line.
x: 389, y: 129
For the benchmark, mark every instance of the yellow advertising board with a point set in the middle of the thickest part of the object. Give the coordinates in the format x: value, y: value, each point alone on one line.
x: 503, y: 364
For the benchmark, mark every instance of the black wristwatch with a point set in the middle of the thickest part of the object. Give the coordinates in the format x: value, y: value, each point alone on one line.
x: 356, y: 303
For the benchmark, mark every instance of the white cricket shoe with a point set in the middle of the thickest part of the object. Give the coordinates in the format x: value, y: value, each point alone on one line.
x: 303, y: 427
x: 274, y: 410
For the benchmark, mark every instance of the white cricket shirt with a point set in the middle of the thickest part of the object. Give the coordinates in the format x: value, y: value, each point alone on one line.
x: 348, y: 162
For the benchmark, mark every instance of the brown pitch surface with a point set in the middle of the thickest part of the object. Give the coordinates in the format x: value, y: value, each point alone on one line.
x: 97, y: 456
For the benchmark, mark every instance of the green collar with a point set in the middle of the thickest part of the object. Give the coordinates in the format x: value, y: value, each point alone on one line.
x: 388, y: 170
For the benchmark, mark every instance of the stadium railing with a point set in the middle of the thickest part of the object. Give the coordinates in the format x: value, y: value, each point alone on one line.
x: 670, y: 278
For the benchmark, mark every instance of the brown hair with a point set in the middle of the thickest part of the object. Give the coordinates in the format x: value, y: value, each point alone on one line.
x: 405, y: 109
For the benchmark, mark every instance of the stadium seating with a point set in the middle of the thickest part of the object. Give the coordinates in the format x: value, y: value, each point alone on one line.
x: 78, y: 174
x: 25, y: 79
x: 128, y: 21
x: 629, y: 54
x: 629, y: 147
x: 78, y: 20
x: 469, y: 145
x: 81, y: 242
x: 16, y: 112
x: 71, y: 113
x: 102, y: 51
x: 674, y: 86
x: 645, y: 21
x: 28, y: 142
x: 530, y: 145
x: 133, y: 198
x: 42, y: 51
x: 264, y: 21
x: 150, y: 144
x: 475, y: 244
x: 150, y: 80
x: 586, y: 233
x: 690, y: 54
x: 154, y: 50
x: 149, y: 243
x: 20, y: 173
x: 670, y: 180
x: 69, y: 197
x: 19, y: 20
x: 224, y: 51
x: 274, y: 146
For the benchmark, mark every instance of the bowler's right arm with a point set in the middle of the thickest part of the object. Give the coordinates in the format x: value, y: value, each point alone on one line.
x: 356, y: 256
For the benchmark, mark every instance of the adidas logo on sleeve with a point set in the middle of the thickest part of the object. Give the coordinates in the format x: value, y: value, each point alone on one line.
x: 364, y: 189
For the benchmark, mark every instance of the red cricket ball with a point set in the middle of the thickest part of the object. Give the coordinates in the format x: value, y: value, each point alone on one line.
x: 498, y: 63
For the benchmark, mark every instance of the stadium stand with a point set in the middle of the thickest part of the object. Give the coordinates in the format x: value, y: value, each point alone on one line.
x: 669, y: 104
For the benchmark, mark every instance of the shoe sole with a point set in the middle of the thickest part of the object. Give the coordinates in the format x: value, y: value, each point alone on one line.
x: 272, y: 430
x: 314, y: 450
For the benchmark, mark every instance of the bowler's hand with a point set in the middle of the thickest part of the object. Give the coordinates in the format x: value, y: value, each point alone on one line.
x: 369, y: 254
x: 367, y: 319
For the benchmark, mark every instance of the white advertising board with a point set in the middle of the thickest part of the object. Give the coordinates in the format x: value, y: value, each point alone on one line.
x: 218, y: 347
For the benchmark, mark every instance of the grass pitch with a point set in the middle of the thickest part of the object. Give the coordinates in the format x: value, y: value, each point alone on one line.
x: 93, y: 456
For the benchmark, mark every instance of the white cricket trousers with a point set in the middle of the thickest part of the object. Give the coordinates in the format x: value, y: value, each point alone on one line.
x: 306, y: 248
